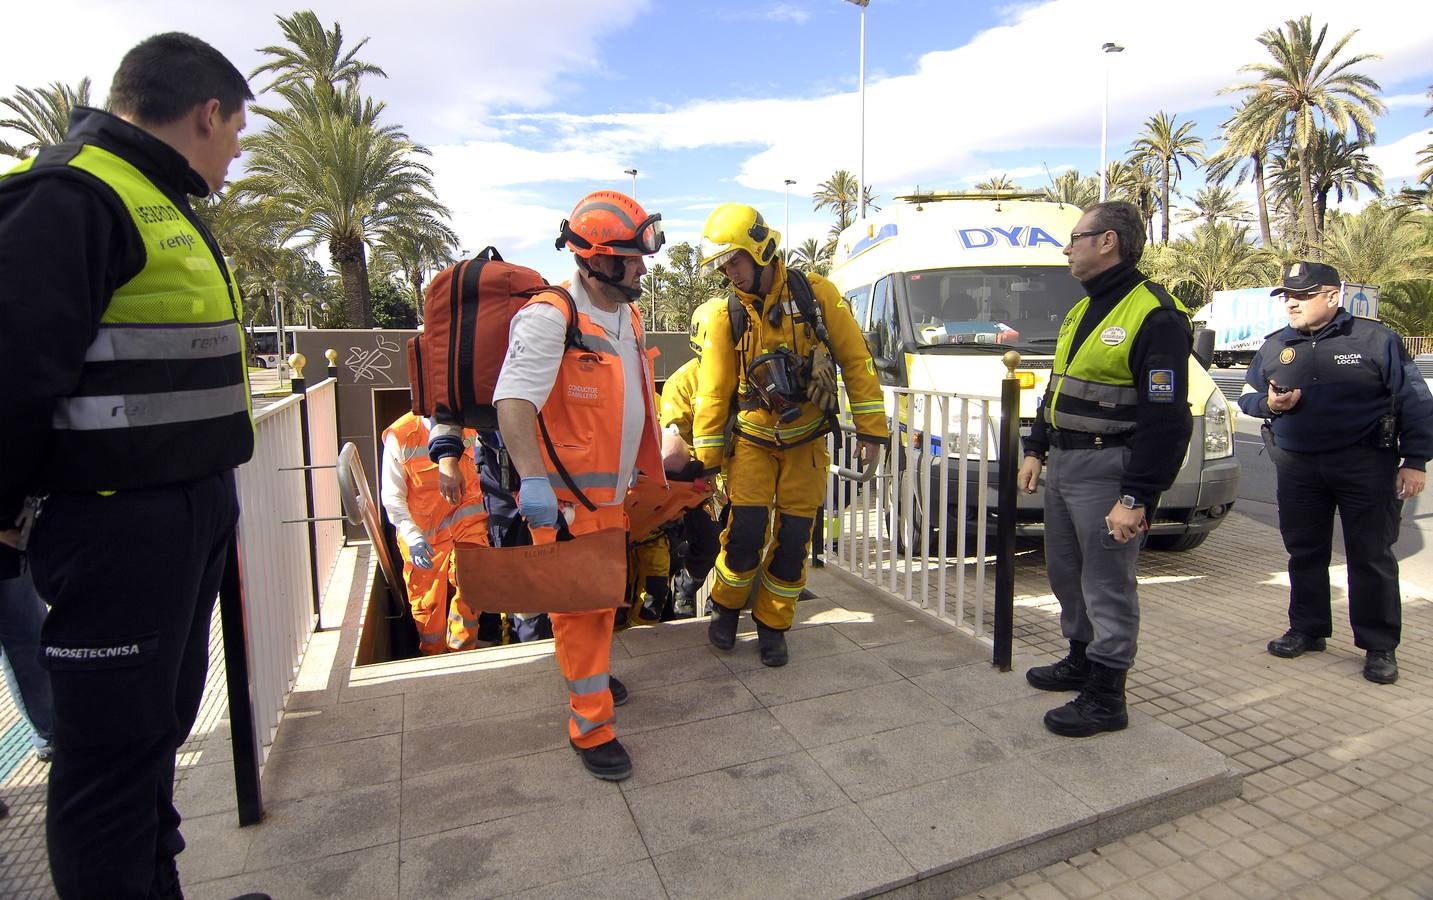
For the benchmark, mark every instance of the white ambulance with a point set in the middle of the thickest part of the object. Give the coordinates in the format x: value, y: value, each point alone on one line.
x: 945, y: 284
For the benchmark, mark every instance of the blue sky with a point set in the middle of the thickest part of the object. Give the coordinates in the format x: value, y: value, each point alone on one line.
x: 529, y: 105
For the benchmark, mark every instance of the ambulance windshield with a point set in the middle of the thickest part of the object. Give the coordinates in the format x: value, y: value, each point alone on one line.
x: 1017, y: 306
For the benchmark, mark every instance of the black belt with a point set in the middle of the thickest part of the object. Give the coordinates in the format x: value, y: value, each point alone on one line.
x: 1084, y: 440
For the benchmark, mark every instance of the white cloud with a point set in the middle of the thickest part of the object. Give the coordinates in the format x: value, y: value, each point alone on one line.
x: 450, y: 61
x: 1399, y: 160
x: 1403, y: 101
x: 787, y: 12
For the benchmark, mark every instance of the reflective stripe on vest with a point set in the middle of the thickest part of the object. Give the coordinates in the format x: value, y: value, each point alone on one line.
x: 1095, y: 391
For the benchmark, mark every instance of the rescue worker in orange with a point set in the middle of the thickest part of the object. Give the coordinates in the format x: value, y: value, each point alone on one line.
x: 428, y: 527
x: 599, y: 411
x: 773, y: 371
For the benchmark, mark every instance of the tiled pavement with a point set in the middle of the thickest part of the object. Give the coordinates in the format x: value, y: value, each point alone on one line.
x: 1337, y: 796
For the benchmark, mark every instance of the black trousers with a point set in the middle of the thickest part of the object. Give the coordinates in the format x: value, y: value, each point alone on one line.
x: 131, y: 581
x: 1358, y: 482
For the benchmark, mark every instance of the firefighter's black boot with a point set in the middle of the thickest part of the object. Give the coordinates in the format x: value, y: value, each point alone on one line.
x: 721, y: 631
x: 608, y: 761
x: 1099, y: 707
x: 772, y: 645
x: 1068, y: 674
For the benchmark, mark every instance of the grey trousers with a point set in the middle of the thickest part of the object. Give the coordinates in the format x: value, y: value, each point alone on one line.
x: 1092, y: 576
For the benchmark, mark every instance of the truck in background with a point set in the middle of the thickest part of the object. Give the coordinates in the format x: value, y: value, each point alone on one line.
x: 1241, y: 319
x: 944, y: 284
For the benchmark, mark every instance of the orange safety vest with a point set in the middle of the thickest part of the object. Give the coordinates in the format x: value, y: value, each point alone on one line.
x: 584, y: 413
x: 440, y: 521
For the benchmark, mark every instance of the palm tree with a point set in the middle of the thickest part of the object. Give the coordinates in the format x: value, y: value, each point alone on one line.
x: 838, y: 193
x: 1244, y: 155
x: 43, y: 115
x: 1301, y: 92
x: 811, y: 256
x: 328, y: 171
x: 1214, y: 203
x: 1218, y: 257
x: 314, y: 56
x: 1164, y: 145
x: 1380, y: 245
x: 1072, y: 189
x: 1000, y: 182
x: 1336, y: 165
x: 1425, y: 156
x: 1123, y: 181
x: 415, y: 247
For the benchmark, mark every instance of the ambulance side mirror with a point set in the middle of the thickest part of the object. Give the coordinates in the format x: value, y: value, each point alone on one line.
x: 1204, y: 346
x: 873, y: 343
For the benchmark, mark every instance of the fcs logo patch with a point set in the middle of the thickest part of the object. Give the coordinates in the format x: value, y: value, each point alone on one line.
x: 1286, y: 355
x: 1161, y: 386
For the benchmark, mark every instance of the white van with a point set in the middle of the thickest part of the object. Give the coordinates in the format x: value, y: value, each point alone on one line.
x: 945, y: 284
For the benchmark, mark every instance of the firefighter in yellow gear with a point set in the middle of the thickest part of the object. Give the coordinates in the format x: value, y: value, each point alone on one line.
x: 761, y: 366
x: 699, y: 529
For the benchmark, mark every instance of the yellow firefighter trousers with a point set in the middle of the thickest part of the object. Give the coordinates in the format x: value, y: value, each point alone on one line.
x: 774, y: 492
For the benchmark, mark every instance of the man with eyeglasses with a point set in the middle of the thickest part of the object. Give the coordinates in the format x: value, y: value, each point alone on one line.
x: 1342, y: 402
x: 1114, y: 425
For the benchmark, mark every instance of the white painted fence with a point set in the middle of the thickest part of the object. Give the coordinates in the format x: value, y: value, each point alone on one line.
x: 274, y: 550
x: 879, y: 531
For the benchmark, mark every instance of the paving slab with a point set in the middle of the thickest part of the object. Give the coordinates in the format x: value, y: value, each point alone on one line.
x: 521, y: 851
x: 702, y: 808
x: 837, y: 853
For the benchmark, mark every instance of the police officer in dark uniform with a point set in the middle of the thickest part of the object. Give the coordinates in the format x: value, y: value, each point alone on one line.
x: 1114, y: 426
x: 126, y: 408
x: 1342, y: 402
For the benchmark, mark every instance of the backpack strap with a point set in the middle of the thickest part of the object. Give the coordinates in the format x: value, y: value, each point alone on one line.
x: 572, y: 341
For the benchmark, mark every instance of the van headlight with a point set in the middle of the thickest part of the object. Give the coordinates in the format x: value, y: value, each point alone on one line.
x: 1218, y: 427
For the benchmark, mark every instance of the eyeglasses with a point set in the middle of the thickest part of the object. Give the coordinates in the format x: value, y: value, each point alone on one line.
x: 1305, y: 296
x: 1076, y: 235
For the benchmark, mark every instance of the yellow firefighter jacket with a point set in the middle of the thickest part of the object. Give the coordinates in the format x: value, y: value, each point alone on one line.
x: 722, y: 372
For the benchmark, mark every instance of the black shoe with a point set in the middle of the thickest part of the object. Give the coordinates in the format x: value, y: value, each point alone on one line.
x: 254, y: 896
x: 619, y: 690
x: 772, y: 644
x: 1099, y: 707
x: 721, y: 631
x: 4, y: 809
x: 1294, y: 643
x: 1068, y: 674
x: 608, y: 761
x: 1380, y: 667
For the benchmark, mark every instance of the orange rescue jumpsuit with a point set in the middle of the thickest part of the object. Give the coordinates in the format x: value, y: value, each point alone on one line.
x: 440, y: 523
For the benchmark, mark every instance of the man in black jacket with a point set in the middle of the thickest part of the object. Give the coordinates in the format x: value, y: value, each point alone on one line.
x: 1114, y: 425
x: 1342, y: 402
x: 125, y: 411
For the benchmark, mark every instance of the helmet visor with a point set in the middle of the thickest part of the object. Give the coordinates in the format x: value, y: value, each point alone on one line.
x: 646, y: 240
x: 715, y: 254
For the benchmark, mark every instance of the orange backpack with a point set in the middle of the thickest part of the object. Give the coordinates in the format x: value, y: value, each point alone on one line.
x: 453, y: 364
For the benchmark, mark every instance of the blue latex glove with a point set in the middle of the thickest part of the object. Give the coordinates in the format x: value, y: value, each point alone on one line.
x: 537, y: 502
x: 421, y: 554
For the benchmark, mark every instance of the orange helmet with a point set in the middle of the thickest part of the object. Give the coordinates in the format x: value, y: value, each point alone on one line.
x: 610, y: 223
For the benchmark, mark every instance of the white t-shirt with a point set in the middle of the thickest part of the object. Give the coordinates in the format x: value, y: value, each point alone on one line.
x: 535, y: 346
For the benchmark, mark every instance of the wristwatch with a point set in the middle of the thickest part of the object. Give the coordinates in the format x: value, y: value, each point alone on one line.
x: 1129, y: 502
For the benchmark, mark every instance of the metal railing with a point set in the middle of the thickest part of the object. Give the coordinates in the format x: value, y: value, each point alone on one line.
x: 286, y: 547
x: 920, y: 529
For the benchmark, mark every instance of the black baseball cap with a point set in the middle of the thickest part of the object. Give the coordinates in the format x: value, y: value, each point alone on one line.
x: 1305, y: 276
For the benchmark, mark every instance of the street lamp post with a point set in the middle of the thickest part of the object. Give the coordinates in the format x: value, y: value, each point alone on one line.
x: 786, y: 235
x: 633, y: 173
x: 861, y: 173
x: 279, y: 330
x: 1108, y: 48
